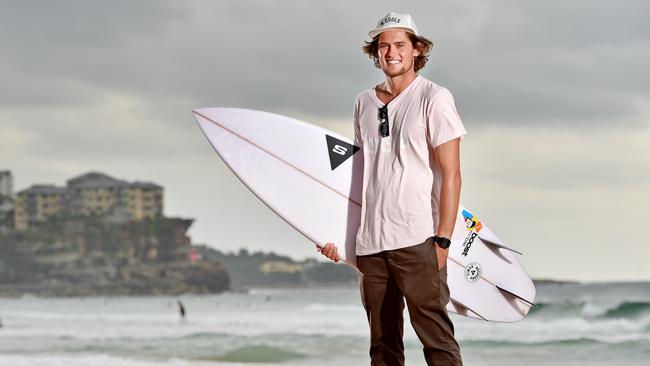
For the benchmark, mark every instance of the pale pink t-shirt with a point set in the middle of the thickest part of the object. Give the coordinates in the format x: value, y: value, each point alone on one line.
x: 401, y: 181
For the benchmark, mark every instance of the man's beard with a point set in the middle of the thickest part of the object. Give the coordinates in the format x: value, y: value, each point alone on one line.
x: 399, y: 71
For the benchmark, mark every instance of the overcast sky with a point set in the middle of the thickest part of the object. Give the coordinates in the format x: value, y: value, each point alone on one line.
x: 554, y: 96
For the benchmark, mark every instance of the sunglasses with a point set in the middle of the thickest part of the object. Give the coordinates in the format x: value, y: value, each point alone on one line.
x: 384, y: 129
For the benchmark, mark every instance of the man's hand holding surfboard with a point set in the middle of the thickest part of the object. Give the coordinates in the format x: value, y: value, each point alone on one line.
x: 330, y: 251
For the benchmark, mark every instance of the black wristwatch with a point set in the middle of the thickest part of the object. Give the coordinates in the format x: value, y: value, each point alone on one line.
x: 443, y: 243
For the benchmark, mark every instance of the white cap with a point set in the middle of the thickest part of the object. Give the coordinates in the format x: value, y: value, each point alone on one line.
x: 394, y: 20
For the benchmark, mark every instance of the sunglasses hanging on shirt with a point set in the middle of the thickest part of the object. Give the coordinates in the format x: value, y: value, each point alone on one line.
x: 384, y: 129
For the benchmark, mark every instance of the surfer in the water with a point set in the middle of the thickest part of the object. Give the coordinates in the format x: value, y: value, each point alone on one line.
x: 181, y: 309
x: 410, y: 132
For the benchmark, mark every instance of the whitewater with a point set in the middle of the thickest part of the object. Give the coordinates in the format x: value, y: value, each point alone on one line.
x: 572, y: 324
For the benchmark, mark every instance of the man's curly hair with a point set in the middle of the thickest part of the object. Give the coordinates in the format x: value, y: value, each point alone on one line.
x: 420, y: 43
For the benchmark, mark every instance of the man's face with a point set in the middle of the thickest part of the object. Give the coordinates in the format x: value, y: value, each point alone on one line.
x: 395, y: 52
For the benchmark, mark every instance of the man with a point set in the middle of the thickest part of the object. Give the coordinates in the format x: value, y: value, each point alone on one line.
x: 410, y: 132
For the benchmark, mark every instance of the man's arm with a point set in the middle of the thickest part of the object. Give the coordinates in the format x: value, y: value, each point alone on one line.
x: 448, y: 158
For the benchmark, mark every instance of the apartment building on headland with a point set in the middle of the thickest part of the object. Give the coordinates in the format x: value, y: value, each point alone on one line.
x: 6, y: 198
x: 6, y: 184
x: 89, y: 194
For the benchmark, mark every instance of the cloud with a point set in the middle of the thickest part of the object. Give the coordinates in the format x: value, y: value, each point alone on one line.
x: 507, y: 62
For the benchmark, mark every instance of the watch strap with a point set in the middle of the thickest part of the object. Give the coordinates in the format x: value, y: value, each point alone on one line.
x: 442, y: 242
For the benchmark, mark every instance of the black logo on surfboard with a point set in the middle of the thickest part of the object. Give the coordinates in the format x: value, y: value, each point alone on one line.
x: 339, y: 151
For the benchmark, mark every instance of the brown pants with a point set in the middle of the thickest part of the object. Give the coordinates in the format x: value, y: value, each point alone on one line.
x: 385, y: 279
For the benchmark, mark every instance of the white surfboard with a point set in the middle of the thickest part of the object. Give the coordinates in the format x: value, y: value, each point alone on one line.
x: 312, y: 178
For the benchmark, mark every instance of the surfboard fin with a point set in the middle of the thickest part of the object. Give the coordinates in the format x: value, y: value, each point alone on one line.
x: 515, y: 295
x: 463, y: 308
x: 484, y: 232
x: 499, y: 245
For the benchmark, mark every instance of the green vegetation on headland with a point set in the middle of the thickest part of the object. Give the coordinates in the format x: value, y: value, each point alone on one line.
x: 89, y: 255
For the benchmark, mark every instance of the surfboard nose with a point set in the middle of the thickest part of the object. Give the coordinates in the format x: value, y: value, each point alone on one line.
x: 201, y: 119
x: 224, y: 117
x: 200, y: 116
x: 209, y: 116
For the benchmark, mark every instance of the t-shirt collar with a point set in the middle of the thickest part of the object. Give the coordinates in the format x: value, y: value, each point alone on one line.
x: 405, y: 91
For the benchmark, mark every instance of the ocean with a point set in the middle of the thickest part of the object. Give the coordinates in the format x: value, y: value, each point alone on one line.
x: 573, y: 324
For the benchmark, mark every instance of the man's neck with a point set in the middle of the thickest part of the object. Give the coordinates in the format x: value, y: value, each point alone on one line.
x: 396, y: 85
